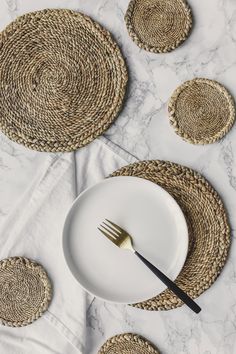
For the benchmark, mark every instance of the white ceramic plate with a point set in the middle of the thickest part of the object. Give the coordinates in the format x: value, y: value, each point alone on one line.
x: 149, y: 214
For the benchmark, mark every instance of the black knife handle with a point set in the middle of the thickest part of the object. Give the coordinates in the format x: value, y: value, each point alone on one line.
x: 170, y: 284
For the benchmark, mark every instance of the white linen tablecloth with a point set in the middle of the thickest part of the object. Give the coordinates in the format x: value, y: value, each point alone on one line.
x: 37, y: 190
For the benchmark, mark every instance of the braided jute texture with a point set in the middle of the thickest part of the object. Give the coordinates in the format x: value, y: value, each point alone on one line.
x: 25, y: 291
x: 62, y: 80
x: 201, y: 111
x: 127, y: 343
x: 158, y: 26
x: 209, y: 231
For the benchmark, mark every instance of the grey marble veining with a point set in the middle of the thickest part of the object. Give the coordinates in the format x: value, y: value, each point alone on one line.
x: 143, y: 129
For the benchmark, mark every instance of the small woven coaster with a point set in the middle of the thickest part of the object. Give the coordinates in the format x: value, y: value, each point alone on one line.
x: 63, y: 80
x: 209, y: 231
x: 158, y: 26
x: 25, y: 291
x: 201, y: 111
x: 127, y: 343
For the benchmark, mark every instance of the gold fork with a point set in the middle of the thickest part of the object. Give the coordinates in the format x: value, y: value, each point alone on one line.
x: 122, y: 239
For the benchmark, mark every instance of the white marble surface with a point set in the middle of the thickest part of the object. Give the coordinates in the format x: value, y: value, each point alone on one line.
x: 143, y: 130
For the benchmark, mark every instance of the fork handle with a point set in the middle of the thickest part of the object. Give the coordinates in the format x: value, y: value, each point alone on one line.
x: 170, y: 284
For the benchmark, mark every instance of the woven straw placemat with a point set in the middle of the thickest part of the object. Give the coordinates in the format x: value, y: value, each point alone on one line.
x: 158, y: 26
x: 63, y: 80
x: 201, y: 111
x: 127, y: 343
x: 209, y: 231
x: 25, y: 291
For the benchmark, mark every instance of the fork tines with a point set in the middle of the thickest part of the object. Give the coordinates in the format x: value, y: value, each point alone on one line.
x: 112, y: 231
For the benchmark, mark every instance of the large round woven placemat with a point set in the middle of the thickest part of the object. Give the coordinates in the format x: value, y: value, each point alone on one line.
x: 158, y: 26
x: 209, y: 231
x: 63, y: 80
x: 201, y: 111
x: 25, y: 291
x: 127, y: 343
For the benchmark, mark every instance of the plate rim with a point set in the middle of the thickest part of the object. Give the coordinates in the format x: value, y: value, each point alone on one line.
x: 94, y: 186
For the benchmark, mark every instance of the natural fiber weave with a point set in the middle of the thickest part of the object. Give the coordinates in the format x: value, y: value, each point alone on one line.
x: 201, y: 111
x: 63, y: 80
x: 127, y: 343
x: 25, y: 291
x: 209, y: 231
x: 158, y: 26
